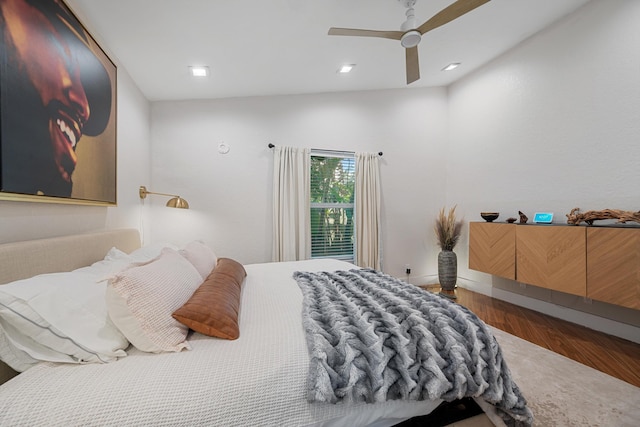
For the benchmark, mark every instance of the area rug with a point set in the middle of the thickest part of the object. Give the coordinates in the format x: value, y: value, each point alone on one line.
x: 560, y: 392
x: 563, y: 392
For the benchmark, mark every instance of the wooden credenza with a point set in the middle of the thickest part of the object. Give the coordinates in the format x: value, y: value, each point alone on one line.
x: 613, y: 266
x: 552, y: 257
x: 492, y: 248
x: 601, y: 263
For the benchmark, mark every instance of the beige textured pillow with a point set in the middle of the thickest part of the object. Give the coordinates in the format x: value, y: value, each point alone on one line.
x: 201, y: 256
x: 141, y: 299
x: 215, y: 307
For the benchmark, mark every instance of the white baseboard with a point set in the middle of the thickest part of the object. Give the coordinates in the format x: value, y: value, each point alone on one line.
x: 478, y: 287
x: 419, y: 280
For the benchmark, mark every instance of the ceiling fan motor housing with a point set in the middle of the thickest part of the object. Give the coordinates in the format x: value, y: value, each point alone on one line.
x: 410, y: 39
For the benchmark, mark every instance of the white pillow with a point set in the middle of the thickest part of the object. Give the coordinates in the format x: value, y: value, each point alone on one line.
x: 113, y: 262
x: 114, y: 254
x: 201, y: 256
x: 21, y: 352
x: 64, y: 312
x: 18, y: 360
x: 142, y: 298
x: 149, y: 252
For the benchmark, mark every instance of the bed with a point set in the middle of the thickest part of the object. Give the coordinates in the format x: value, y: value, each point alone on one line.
x: 261, y: 378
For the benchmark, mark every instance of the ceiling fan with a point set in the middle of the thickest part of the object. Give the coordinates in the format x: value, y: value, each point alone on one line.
x: 410, y: 34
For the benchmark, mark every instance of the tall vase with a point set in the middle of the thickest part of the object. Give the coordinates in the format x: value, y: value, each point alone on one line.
x: 447, y: 272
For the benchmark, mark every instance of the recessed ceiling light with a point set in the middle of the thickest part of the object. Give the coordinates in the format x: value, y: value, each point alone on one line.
x: 199, y: 71
x: 451, y: 66
x: 346, y: 68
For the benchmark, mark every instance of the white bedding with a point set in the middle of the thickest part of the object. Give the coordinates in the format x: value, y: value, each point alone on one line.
x: 256, y: 380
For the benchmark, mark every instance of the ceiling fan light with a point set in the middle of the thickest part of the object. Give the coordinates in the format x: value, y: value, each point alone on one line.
x: 410, y: 39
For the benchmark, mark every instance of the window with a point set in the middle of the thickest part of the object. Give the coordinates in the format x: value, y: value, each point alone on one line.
x: 332, y: 192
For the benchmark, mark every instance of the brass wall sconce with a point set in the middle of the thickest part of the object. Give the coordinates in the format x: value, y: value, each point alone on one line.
x: 174, y: 202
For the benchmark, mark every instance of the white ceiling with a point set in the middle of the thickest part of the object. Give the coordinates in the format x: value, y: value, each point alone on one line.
x: 274, y: 47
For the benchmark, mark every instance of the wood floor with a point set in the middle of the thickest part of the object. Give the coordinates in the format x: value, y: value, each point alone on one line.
x: 615, y: 356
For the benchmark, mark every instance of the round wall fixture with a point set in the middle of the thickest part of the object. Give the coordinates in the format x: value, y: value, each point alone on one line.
x: 223, y: 148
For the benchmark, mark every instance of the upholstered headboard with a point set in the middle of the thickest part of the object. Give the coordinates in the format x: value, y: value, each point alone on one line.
x: 21, y: 260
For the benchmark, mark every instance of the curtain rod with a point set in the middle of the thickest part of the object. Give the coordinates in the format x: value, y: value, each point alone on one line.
x: 379, y: 152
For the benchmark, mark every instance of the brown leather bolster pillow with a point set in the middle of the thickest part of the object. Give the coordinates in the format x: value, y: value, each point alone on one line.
x: 214, y: 307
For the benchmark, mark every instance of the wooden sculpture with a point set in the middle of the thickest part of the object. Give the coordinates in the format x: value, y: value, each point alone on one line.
x: 576, y: 217
x: 523, y: 217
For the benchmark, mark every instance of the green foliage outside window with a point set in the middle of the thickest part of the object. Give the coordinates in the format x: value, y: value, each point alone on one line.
x: 332, y: 197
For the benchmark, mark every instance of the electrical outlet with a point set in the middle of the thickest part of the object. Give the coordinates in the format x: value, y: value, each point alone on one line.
x: 407, y: 269
x: 523, y: 285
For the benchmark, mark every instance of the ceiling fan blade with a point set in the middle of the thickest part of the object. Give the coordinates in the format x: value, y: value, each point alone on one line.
x: 394, y: 35
x: 413, y: 65
x: 450, y: 13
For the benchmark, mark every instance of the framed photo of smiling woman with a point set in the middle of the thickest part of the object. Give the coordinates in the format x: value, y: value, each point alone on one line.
x: 57, y: 107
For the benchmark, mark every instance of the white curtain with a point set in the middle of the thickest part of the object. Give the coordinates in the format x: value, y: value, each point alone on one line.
x: 367, y: 199
x: 291, y: 203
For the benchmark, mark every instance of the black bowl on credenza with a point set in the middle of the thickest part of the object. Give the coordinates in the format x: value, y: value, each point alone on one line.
x: 489, y: 216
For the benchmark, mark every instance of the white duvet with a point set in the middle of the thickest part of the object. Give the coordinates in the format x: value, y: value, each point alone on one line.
x: 257, y: 380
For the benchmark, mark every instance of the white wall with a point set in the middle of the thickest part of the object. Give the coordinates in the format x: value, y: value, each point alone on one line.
x: 549, y: 126
x: 552, y: 125
x: 28, y: 220
x: 230, y: 195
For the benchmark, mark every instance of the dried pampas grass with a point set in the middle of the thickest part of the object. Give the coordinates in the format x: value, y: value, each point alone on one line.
x: 447, y: 229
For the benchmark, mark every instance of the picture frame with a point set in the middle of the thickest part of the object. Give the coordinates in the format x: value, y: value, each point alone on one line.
x: 58, y: 91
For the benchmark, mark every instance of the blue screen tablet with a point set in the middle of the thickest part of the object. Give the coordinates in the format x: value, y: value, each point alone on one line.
x: 543, y: 217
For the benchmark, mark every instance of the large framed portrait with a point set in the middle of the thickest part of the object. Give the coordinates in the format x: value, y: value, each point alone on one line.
x: 57, y: 107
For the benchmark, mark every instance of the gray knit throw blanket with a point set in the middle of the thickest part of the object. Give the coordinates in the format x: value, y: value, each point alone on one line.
x: 373, y: 338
